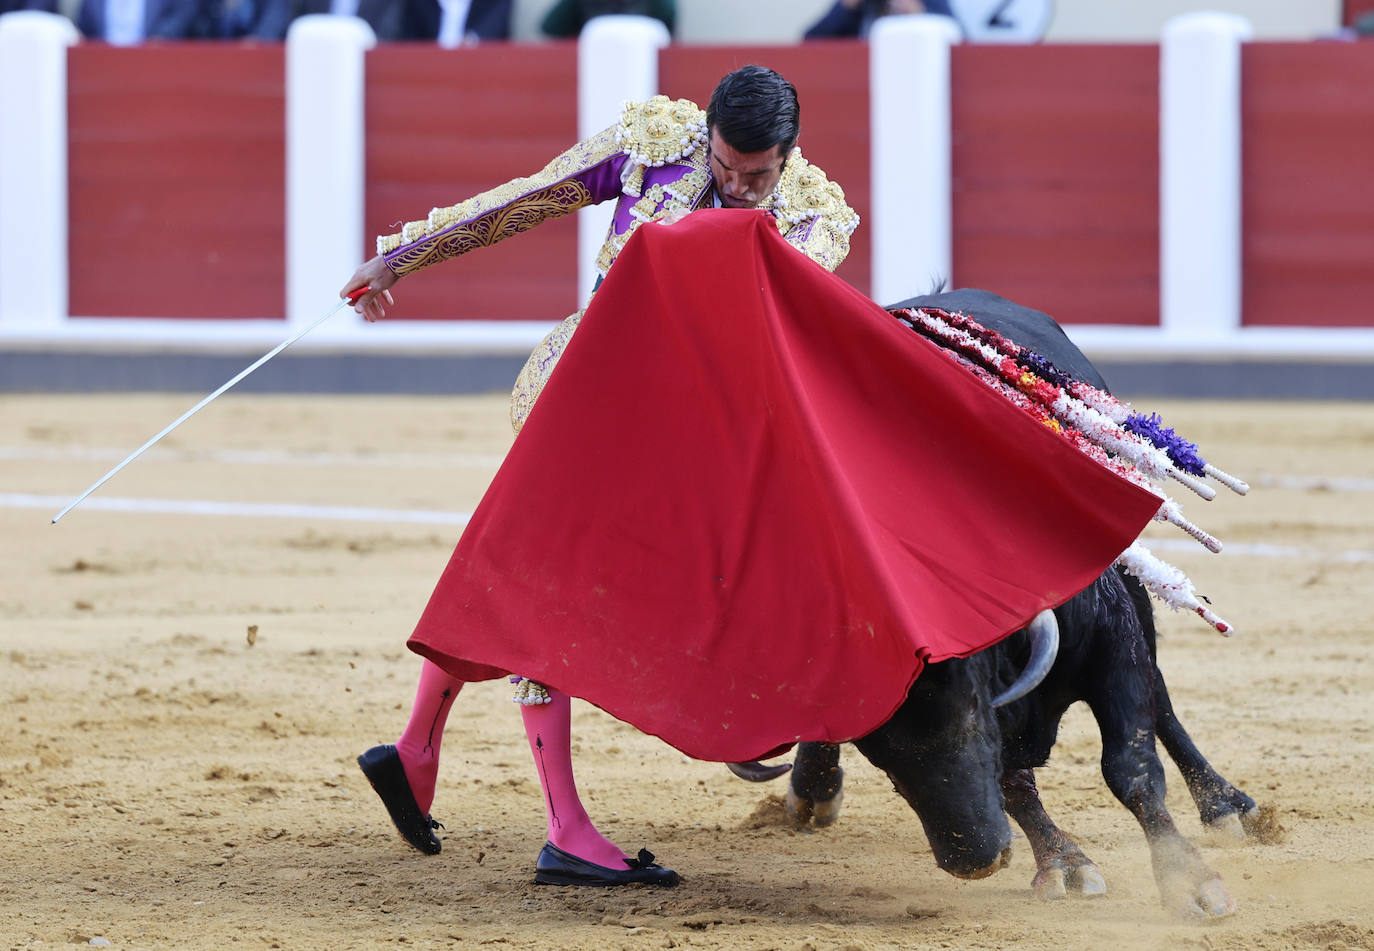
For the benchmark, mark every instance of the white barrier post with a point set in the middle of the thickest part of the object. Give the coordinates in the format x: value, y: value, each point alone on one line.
x: 1200, y: 175
x: 910, y: 216
x: 33, y: 168
x: 324, y: 159
x: 617, y: 59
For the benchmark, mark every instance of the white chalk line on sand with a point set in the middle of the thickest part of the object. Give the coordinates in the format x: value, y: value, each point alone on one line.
x: 256, y: 457
x: 1317, y: 483
x: 351, y: 513
x: 1261, y: 550
x: 342, y: 513
x: 468, y: 460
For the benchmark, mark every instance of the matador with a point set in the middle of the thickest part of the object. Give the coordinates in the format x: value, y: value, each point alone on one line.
x: 662, y: 160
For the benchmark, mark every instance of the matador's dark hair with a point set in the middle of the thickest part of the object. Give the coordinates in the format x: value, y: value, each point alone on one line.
x: 754, y: 109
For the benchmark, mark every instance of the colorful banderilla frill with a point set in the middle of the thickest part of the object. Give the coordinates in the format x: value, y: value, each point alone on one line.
x: 1136, y: 447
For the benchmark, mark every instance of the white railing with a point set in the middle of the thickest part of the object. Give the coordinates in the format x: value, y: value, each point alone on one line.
x: 33, y: 170
x: 911, y: 228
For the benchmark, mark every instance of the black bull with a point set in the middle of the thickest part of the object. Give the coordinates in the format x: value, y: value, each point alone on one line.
x: 960, y: 763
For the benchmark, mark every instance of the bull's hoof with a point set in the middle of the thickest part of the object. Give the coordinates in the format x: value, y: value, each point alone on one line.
x: 1226, y: 830
x: 804, y: 811
x: 1256, y: 824
x: 1062, y: 879
x: 1205, y: 902
x: 1215, y: 901
x: 1089, y: 882
x: 826, y: 811
x: 1187, y: 887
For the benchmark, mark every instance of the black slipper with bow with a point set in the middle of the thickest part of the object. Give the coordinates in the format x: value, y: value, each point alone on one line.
x: 382, y: 767
x: 556, y: 867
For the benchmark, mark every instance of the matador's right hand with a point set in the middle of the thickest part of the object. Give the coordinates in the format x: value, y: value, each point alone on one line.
x: 377, y: 278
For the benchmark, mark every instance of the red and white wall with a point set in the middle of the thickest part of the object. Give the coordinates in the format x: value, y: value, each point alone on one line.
x: 1206, y: 195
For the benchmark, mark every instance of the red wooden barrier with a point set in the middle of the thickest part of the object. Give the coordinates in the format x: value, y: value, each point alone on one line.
x: 177, y: 172
x: 1056, y: 178
x: 1308, y: 208
x: 443, y: 125
x: 177, y: 166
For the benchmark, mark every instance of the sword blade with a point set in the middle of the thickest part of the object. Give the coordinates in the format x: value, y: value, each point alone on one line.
x: 203, y: 403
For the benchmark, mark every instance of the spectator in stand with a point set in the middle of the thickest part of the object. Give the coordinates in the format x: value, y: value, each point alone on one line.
x: 14, y: 6
x: 566, y: 18
x: 855, y: 17
x: 235, y: 19
x: 277, y: 15
x: 466, y: 22
x: 1362, y: 27
x: 450, y: 22
x: 129, y: 22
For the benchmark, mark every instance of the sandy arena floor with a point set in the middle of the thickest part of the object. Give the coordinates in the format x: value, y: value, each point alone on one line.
x: 184, y: 696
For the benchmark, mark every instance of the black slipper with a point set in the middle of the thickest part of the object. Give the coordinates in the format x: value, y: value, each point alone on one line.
x: 382, y: 767
x: 556, y: 867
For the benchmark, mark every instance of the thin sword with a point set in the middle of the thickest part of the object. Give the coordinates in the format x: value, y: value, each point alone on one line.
x: 350, y: 299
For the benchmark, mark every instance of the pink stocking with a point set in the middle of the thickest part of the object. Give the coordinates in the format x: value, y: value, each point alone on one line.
x: 419, y: 743
x: 549, y: 729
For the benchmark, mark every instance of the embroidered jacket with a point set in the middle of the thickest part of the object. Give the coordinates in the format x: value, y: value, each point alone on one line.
x: 653, y: 162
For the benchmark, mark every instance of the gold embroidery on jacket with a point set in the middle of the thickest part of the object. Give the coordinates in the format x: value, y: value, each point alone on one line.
x: 811, y: 212
x: 551, y: 190
x: 500, y: 223
x: 809, y: 209
x: 686, y: 194
x: 659, y: 131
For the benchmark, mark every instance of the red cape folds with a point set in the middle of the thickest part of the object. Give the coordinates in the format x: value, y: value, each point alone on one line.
x: 750, y: 504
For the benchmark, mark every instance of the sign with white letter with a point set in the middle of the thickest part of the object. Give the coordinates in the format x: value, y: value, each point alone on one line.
x: 1003, y: 21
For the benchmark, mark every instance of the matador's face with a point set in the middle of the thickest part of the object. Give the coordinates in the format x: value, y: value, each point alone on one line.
x: 743, y: 179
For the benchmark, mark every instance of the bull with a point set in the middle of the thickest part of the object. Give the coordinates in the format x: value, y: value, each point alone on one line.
x: 962, y: 748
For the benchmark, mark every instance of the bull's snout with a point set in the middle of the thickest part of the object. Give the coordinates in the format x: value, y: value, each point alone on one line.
x: 960, y: 871
x: 976, y: 852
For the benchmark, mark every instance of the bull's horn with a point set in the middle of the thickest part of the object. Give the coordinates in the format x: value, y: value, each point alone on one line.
x: 757, y: 772
x: 1044, y: 638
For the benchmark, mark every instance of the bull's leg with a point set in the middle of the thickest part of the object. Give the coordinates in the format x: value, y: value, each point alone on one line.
x: 1131, y: 767
x: 1220, y: 805
x: 1060, y: 864
x: 817, y: 786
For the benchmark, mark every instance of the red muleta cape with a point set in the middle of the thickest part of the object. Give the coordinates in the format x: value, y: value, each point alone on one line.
x: 750, y: 505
